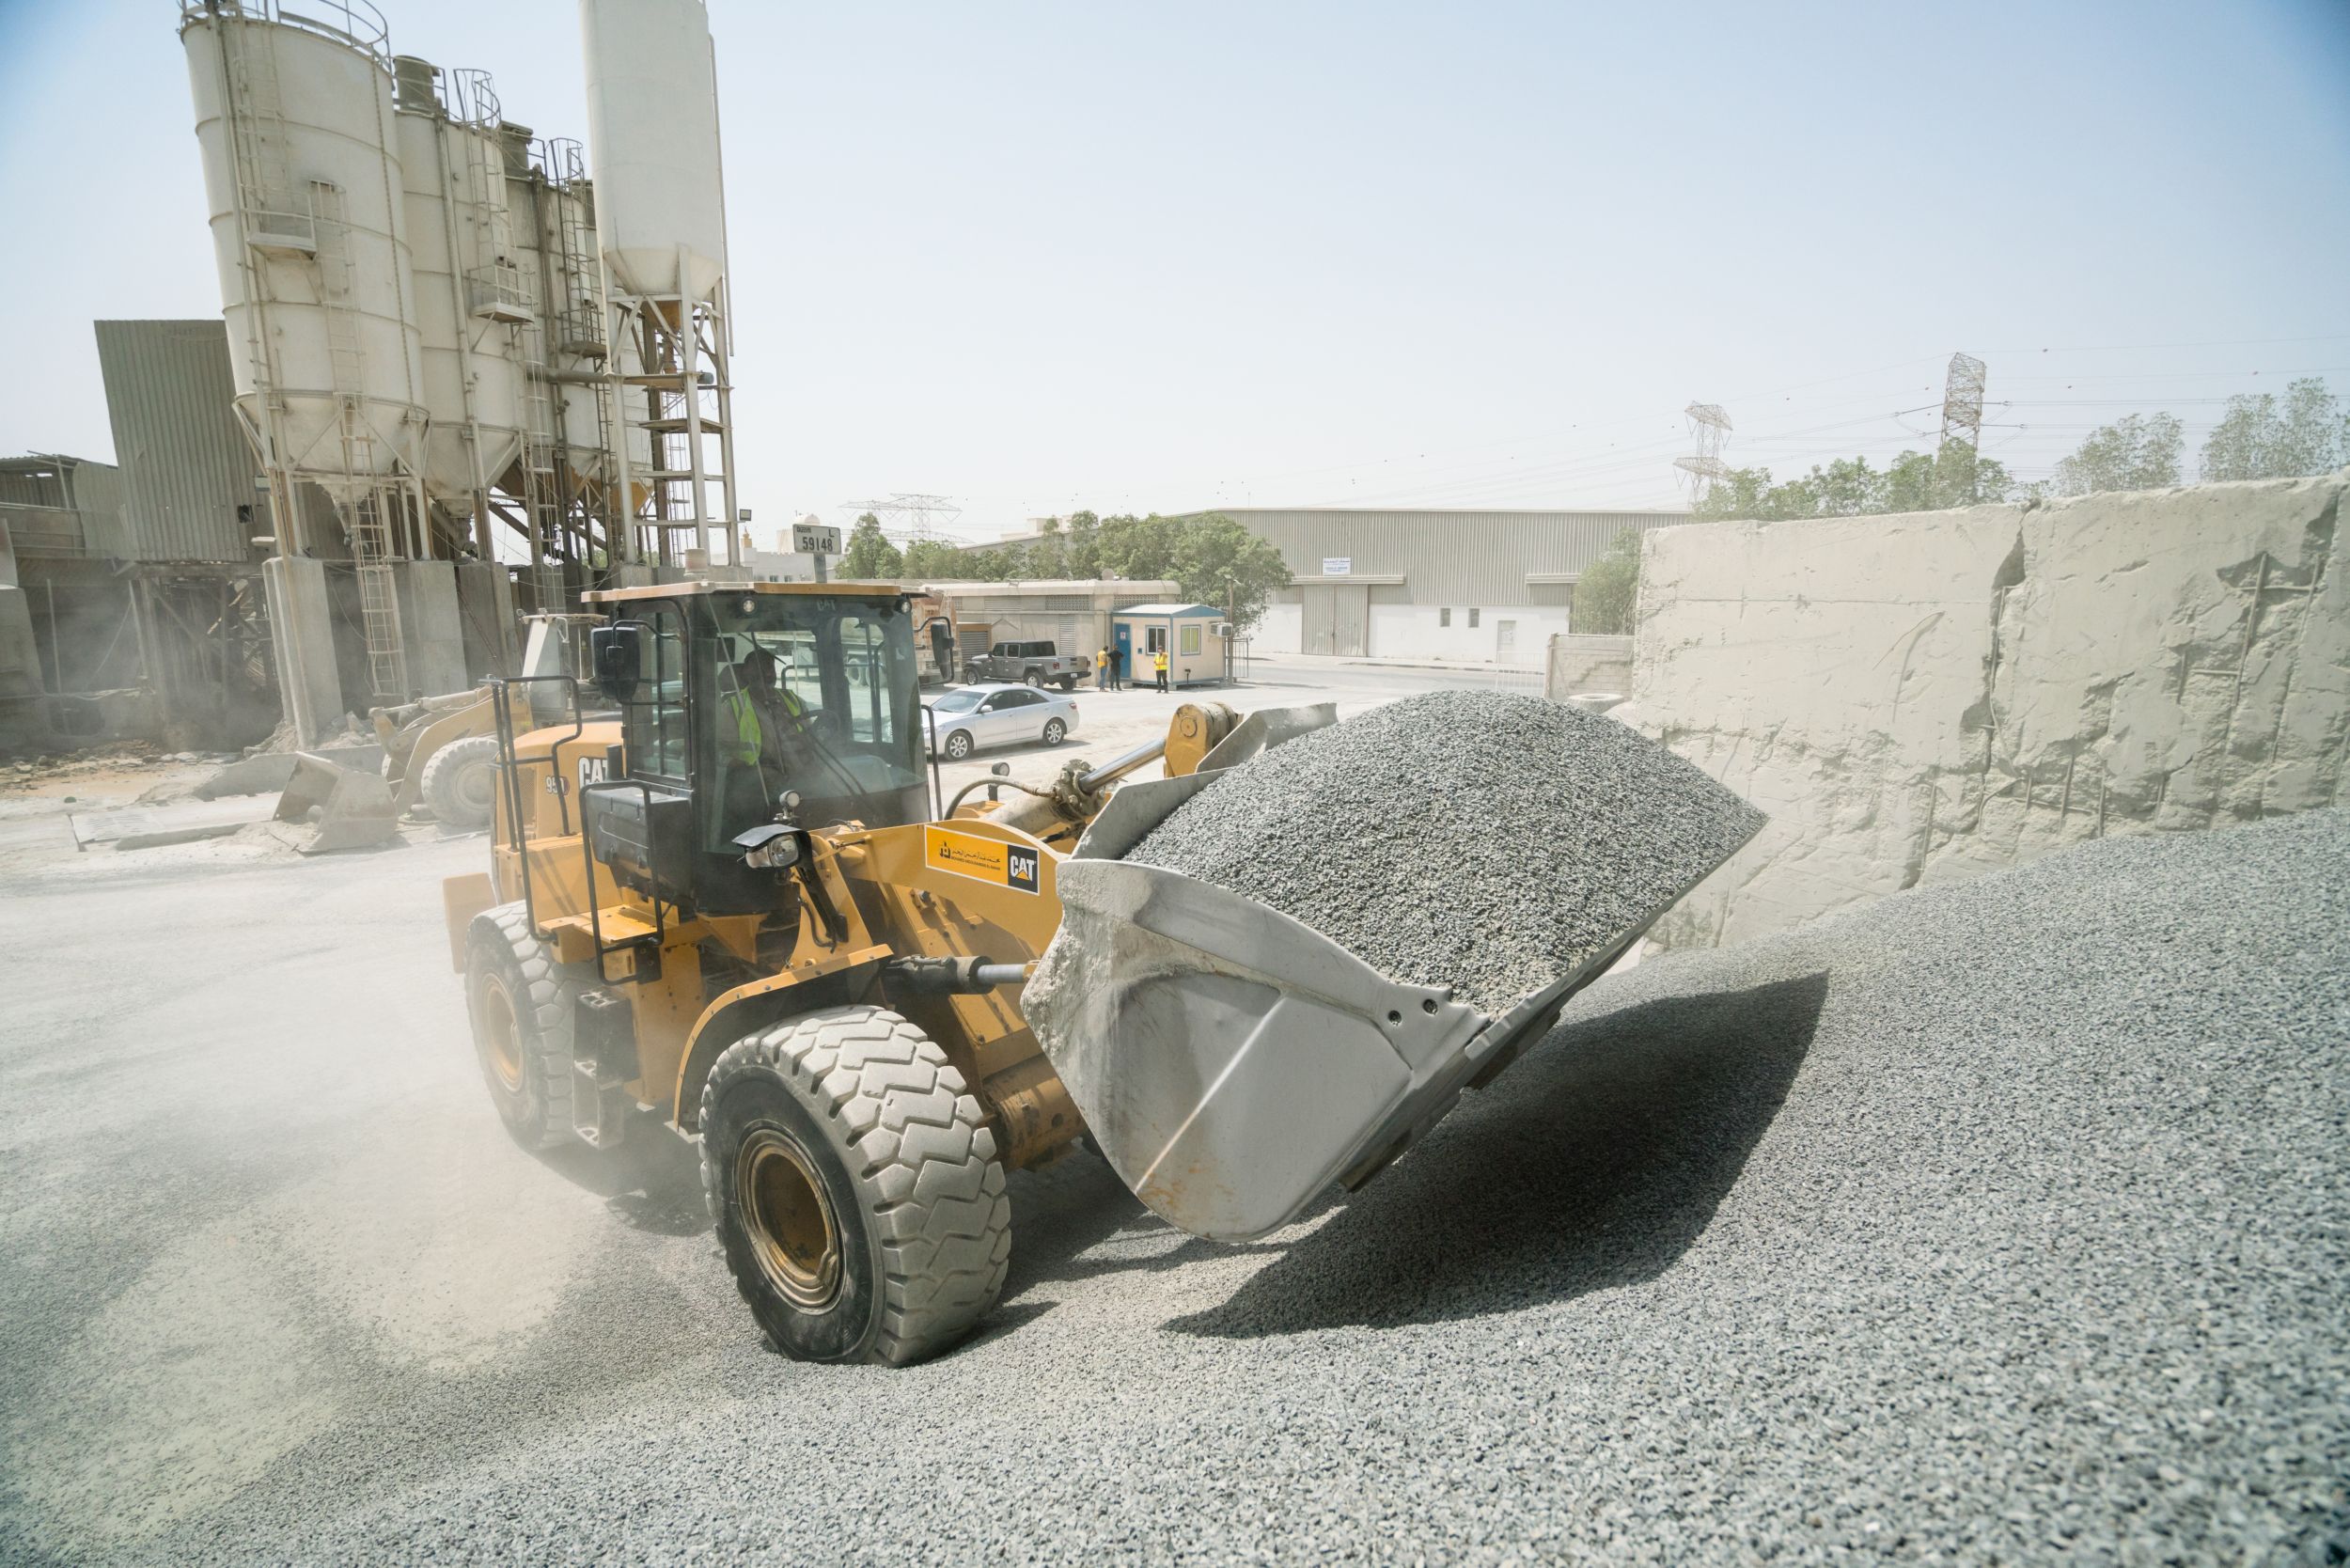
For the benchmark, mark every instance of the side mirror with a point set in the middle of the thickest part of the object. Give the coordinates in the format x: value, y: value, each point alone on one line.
x: 615, y: 651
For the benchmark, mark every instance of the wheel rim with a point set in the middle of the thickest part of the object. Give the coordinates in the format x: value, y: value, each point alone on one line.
x: 958, y: 745
x: 1052, y: 733
x: 500, y: 1033
x: 788, y: 1219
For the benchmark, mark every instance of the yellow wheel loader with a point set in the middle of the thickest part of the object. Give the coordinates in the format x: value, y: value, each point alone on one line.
x: 736, y: 899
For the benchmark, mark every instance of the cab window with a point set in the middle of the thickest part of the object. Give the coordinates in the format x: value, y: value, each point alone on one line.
x: 653, y: 724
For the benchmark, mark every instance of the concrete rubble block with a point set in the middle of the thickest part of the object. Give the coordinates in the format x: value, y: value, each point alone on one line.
x: 1843, y: 731
x: 2150, y: 651
x: 1578, y: 664
x: 1921, y: 699
x: 249, y: 776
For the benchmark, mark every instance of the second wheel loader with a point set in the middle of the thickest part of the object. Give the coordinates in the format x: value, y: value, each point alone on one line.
x: 746, y: 908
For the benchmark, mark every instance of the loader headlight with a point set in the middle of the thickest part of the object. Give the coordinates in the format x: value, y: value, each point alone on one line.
x: 769, y: 847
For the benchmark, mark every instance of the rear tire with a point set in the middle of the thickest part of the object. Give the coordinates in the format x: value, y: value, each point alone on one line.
x: 856, y: 1187
x: 520, y: 1002
x: 460, y: 782
x: 1034, y: 678
x: 1068, y: 682
x: 1054, y: 731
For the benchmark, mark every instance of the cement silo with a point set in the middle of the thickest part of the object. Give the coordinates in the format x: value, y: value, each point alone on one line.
x: 471, y: 305
x: 572, y: 406
x: 652, y: 123
x: 294, y: 120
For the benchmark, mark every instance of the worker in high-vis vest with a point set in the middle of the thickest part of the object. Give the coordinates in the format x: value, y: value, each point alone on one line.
x: 1158, y: 668
x: 1101, y: 669
x: 759, y: 715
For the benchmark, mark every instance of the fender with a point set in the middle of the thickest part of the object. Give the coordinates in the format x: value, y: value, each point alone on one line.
x: 832, y: 982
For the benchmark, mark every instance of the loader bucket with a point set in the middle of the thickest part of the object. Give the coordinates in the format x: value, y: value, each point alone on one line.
x: 354, y: 809
x: 1234, y: 1063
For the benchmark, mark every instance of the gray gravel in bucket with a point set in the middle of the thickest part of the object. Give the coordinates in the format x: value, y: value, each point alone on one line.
x: 1483, y: 841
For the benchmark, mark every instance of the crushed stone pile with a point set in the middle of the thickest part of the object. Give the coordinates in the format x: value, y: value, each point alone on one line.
x: 1483, y: 841
x: 1998, y: 1222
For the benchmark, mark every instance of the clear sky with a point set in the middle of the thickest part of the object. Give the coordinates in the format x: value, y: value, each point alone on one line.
x: 1138, y: 257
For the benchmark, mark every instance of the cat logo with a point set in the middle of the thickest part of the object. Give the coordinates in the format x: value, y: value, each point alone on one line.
x: 1014, y: 866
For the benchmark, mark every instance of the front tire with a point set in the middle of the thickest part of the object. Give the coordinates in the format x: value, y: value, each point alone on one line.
x: 460, y: 782
x: 856, y: 1187
x: 958, y: 745
x: 521, y: 1004
x: 1054, y: 731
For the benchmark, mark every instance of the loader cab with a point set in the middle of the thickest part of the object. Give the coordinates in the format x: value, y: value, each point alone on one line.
x: 734, y: 697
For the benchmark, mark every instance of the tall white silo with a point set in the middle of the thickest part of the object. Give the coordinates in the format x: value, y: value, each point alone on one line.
x: 471, y: 307
x: 573, y: 404
x: 294, y: 120
x: 652, y: 123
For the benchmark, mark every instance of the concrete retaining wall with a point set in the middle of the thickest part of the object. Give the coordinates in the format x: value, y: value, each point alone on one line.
x: 1917, y: 699
x: 1580, y: 663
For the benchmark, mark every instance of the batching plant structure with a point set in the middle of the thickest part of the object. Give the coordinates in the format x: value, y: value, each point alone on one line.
x: 309, y: 232
x: 427, y: 362
x: 652, y: 127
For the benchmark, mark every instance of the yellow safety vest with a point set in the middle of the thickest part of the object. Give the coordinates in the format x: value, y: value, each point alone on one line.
x: 747, y: 730
x: 1158, y: 661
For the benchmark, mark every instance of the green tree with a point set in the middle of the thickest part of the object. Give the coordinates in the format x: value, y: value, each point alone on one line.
x: 2132, y: 453
x: 1083, y: 531
x: 869, y: 555
x: 1142, y: 547
x: 1610, y: 588
x: 2259, y: 438
x: 1048, y: 553
x: 1219, y: 562
x: 1958, y: 476
x: 934, y: 560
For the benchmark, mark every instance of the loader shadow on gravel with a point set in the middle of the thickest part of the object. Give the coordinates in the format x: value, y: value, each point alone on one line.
x: 1594, y: 1163
x: 652, y: 1182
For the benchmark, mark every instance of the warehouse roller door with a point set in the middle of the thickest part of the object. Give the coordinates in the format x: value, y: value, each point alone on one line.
x: 1334, y: 620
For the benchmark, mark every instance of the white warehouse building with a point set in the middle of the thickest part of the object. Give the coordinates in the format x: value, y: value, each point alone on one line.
x: 1469, y: 586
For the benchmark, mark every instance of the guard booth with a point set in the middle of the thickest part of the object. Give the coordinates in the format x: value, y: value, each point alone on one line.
x: 1197, y: 642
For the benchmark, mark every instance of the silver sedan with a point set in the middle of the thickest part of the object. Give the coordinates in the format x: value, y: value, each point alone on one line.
x: 999, y: 714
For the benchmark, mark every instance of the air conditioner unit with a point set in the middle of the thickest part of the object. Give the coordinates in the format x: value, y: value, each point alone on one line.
x: 1223, y: 629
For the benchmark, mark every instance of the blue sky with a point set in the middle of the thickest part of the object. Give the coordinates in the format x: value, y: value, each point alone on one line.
x: 1040, y: 256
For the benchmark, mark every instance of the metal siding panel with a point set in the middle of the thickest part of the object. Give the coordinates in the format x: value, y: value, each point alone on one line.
x: 185, y: 464
x: 1447, y: 558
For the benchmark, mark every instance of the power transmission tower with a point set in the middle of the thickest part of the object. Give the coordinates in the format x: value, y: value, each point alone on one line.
x: 908, y: 516
x: 1710, y: 424
x: 1961, y: 427
x: 1962, y: 402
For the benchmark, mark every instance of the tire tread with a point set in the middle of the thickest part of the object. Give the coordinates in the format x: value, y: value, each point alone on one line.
x: 917, y: 1148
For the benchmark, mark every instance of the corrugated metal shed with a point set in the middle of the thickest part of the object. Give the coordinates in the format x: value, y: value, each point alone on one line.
x: 1447, y: 558
x: 61, y: 506
x: 185, y: 465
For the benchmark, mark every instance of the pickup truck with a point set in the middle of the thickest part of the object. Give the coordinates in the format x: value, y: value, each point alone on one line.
x: 1036, y: 664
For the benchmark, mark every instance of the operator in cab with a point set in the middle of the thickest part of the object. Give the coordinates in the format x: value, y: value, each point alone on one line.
x: 765, y: 723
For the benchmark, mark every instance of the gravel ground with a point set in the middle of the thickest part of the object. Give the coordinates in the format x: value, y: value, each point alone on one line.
x: 2003, y: 1222
x: 1483, y: 841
